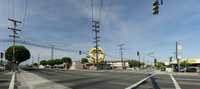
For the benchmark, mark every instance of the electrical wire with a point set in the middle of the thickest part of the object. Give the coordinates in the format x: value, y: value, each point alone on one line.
x: 100, y: 9
x: 56, y: 48
x: 13, y: 9
x: 25, y: 15
x: 106, y: 18
x: 92, y: 9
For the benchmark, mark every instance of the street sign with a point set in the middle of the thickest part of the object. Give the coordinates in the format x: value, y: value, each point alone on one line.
x: 150, y: 53
x: 178, y: 50
x: 87, y: 56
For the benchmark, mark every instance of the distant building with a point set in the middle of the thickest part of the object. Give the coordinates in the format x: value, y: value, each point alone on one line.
x: 76, y: 66
x: 192, y: 62
x: 118, y: 63
x: 195, y: 63
x: 92, y: 66
x: 108, y: 64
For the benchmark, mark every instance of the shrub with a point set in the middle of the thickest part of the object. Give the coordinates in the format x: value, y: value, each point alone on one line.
x: 192, y: 70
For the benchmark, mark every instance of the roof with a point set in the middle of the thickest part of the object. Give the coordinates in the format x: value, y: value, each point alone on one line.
x: 119, y: 61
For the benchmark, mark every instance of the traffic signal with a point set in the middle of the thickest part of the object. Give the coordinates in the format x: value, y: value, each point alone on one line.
x: 138, y: 53
x: 2, y: 55
x: 155, y: 7
x: 155, y: 61
x: 170, y: 59
x: 79, y: 52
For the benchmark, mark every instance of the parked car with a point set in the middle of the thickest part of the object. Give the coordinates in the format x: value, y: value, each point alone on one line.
x: 1, y: 68
x: 30, y: 68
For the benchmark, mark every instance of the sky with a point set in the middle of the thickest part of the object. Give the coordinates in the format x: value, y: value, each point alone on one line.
x: 68, y: 24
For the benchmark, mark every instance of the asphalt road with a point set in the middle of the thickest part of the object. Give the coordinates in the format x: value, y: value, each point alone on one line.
x: 5, y: 78
x: 106, y: 80
x: 188, y: 82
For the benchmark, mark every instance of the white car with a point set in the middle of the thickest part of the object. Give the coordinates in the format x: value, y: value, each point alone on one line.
x: 30, y: 68
x: 1, y: 68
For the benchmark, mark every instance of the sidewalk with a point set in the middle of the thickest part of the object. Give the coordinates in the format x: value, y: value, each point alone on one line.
x: 29, y: 80
x: 5, y: 80
x: 187, y: 74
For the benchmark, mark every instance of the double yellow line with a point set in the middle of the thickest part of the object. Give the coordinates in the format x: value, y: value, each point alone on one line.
x: 188, y: 83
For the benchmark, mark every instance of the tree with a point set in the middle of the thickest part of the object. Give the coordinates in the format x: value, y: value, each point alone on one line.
x: 43, y: 62
x: 58, y: 61
x: 142, y: 64
x: 134, y: 63
x: 160, y: 64
x: 21, y: 54
x: 51, y: 62
x: 67, y: 59
x: 148, y: 66
x: 35, y: 64
x: 84, y: 60
x: 184, y: 64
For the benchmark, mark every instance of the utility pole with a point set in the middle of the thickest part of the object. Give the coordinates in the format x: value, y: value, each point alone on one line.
x: 28, y: 62
x: 4, y: 58
x: 14, y: 36
x: 121, y: 53
x: 143, y: 60
x: 32, y: 60
x: 38, y: 58
x: 96, y: 30
x: 52, y: 52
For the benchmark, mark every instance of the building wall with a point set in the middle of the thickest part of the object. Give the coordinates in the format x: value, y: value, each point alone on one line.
x: 118, y: 64
x: 191, y: 61
x: 76, y: 66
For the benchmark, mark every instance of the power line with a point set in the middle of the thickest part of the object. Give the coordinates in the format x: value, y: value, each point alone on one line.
x: 55, y: 48
x: 92, y: 9
x: 25, y: 15
x: 106, y: 18
x: 13, y: 8
x: 100, y: 9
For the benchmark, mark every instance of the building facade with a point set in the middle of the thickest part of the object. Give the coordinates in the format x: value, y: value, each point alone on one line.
x: 119, y: 63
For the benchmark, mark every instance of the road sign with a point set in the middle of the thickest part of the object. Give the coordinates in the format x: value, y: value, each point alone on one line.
x: 178, y: 50
x: 150, y: 53
x: 87, y: 56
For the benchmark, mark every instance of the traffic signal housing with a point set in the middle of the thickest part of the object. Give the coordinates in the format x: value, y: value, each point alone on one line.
x: 155, y: 61
x: 138, y: 53
x: 155, y: 7
x: 79, y: 52
x: 2, y: 55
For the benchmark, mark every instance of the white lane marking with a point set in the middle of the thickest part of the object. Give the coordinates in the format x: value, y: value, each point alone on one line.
x: 136, y: 84
x: 175, y: 83
x: 12, y: 83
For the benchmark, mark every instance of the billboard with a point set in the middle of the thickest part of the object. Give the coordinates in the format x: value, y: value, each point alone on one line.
x: 178, y: 50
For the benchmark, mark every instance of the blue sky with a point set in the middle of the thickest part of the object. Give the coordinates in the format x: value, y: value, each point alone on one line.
x: 67, y: 24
